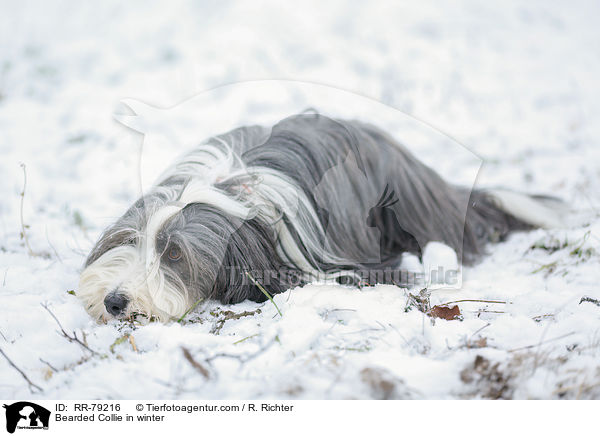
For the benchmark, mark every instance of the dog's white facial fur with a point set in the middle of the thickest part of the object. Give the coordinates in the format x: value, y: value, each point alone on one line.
x: 123, y: 270
x: 134, y: 273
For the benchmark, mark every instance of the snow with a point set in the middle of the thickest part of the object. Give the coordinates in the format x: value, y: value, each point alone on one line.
x: 515, y: 83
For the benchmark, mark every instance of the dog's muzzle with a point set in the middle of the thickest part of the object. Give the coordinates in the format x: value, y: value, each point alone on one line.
x: 115, y: 303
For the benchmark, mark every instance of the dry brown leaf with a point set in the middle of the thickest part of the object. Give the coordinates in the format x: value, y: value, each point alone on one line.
x: 445, y: 312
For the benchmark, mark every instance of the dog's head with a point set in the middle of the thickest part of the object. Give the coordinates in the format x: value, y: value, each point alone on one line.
x: 186, y: 242
x: 163, y: 256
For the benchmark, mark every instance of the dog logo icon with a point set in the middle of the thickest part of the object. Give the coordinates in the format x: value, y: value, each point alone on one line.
x: 26, y: 415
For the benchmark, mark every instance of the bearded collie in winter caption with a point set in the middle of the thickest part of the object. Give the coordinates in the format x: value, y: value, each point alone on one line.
x: 260, y: 210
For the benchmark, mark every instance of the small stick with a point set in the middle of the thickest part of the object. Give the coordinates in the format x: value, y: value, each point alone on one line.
x: 49, y: 366
x: 476, y: 301
x: 589, y: 300
x: 243, y: 358
x: 198, y: 367
x: 540, y: 343
x: 263, y: 290
x: 52, y: 246
x: 30, y: 383
x: 23, y: 232
x: 243, y: 339
x: 73, y: 338
x: 132, y: 342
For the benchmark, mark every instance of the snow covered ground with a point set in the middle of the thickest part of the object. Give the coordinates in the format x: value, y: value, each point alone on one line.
x: 515, y: 82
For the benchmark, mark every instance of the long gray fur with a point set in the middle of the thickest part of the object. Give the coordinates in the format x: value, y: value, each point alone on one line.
x: 374, y: 201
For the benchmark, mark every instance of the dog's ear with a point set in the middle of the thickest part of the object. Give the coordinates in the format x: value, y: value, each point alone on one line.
x: 123, y: 232
x: 251, y: 259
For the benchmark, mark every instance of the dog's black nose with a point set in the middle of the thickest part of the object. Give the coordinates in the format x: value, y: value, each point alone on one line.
x: 115, y: 303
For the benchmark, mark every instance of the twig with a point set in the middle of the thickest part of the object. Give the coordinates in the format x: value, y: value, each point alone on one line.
x: 580, y: 388
x: 540, y: 343
x: 479, y: 330
x: 476, y: 301
x: 197, y: 366
x: 49, y: 366
x: 73, y: 338
x: 132, y: 342
x: 399, y: 334
x: 538, y: 318
x: 23, y: 232
x: 243, y: 358
x: 227, y: 315
x: 244, y: 339
x: 29, y: 382
x: 52, y: 246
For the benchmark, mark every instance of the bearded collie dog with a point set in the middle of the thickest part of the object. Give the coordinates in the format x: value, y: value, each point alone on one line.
x: 258, y: 210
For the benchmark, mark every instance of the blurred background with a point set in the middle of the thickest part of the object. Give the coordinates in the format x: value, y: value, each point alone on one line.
x: 512, y: 81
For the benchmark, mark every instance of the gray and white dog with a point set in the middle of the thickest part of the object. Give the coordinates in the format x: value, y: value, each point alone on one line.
x: 308, y: 199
